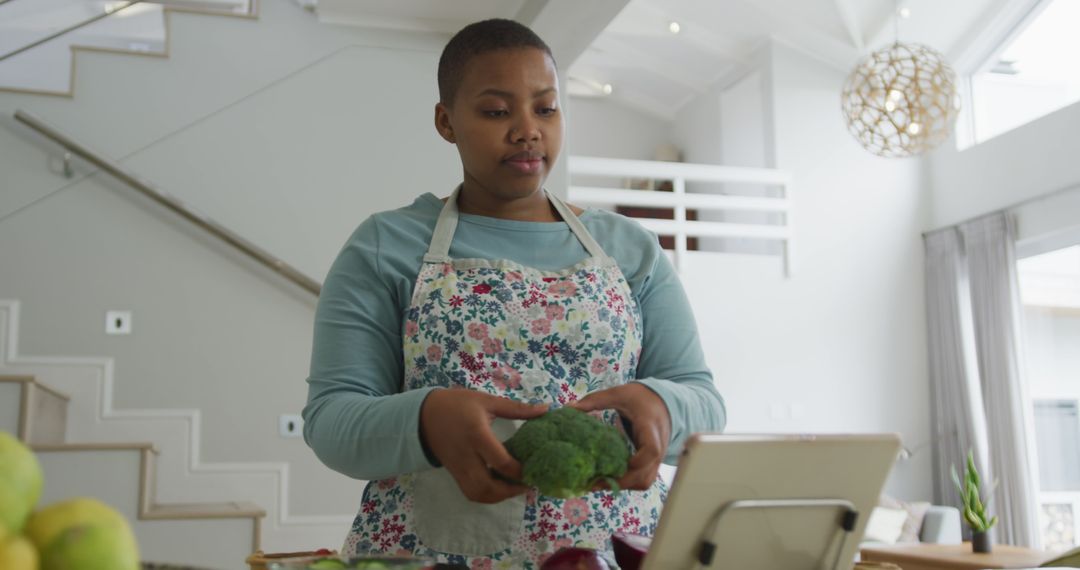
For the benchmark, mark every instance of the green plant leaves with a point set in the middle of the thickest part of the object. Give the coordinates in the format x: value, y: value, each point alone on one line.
x: 973, y: 506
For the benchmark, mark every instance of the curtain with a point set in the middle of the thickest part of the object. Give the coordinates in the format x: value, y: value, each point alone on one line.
x: 995, y: 302
x: 972, y: 303
x: 959, y: 423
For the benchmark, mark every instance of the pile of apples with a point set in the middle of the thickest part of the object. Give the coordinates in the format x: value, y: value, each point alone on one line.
x: 75, y: 534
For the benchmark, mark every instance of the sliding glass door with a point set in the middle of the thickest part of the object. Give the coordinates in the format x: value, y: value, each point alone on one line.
x: 1050, y: 295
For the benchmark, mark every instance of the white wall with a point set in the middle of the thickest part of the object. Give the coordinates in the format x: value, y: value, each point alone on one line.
x: 697, y: 128
x: 601, y: 127
x: 285, y: 130
x: 841, y: 345
x: 1030, y: 161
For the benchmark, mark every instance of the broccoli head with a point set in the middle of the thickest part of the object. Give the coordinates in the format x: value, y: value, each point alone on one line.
x: 565, y: 452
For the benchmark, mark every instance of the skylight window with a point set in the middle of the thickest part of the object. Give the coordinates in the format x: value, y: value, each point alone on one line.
x: 1035, y: 74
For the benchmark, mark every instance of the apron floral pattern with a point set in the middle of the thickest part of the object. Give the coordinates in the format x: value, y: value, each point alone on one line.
x: 528, y: 335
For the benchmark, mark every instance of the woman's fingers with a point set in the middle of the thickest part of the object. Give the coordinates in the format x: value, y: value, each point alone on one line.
x: 456, y: 425
x: 608, y: 399
x: 644, y: 465
x: 478, y: 484
x: 494, y: 456
x: 509, y: 409
x: 648, y: 415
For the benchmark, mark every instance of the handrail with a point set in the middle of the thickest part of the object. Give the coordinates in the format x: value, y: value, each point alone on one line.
x: 679, y: 200
x: 68, y: 29
x: 199, y: 219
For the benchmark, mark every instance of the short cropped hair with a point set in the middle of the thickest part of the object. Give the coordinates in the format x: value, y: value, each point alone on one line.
x: 480, y: 38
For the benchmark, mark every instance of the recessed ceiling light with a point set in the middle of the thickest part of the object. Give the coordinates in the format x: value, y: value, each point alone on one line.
x: 606, y: 88
x: 674, y: 27
x: 905, y: 12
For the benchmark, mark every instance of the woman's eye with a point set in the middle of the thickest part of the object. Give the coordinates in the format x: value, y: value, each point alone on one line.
x: 496, y: 113
x: 547, y: 111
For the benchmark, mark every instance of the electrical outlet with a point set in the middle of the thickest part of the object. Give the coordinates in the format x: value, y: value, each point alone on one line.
x: 290, y: 425
x: 118, y: 322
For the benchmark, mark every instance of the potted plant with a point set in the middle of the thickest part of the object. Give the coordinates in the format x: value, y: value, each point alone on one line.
x: 973, y: 506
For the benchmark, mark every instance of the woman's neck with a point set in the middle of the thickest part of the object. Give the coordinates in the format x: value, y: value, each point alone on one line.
x: 532, y: 208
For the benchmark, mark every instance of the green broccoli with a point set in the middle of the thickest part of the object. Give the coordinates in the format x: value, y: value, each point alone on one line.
x: 565, y: 452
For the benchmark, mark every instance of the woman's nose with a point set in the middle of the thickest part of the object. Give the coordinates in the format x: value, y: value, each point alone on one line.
x: 527, y: 129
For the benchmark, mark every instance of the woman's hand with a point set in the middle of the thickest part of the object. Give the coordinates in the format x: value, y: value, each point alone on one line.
x: 456, y: 425
x: 651, y: 422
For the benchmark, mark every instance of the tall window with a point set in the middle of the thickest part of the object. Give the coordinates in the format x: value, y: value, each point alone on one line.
x: 1050, y: 291
x: 1034, y: 73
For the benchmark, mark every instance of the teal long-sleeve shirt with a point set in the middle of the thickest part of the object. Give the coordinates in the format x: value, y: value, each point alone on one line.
x: 357, y: 418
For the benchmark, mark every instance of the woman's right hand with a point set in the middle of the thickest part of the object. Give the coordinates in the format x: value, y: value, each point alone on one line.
x: 456, y: 425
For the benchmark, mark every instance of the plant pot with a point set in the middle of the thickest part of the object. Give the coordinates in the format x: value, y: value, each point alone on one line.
x: 980, y: 542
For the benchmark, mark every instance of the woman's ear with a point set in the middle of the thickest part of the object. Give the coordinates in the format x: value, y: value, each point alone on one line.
x: 442, y: 123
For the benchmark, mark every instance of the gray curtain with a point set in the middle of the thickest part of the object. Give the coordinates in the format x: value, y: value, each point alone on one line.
x: 959, y: 423
x: 995, y: 301
x: 977, y: 392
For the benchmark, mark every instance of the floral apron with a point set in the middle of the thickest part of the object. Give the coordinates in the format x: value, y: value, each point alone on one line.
x: 527, y: 335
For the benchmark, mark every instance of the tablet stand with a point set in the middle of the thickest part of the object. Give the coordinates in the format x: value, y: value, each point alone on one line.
x: 850, y: 516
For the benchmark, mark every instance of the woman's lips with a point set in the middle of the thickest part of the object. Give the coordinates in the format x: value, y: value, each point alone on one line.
x: 526, y: 165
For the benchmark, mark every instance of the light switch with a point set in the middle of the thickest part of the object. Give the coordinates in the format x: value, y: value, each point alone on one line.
x: 118, y: 322
x: 290, y: 425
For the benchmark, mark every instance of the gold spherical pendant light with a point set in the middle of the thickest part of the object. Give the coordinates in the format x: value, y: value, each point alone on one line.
x: 901, y: 100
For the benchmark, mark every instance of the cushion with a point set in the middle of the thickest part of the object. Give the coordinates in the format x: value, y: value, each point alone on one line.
x: 885, y: 525
x: 916, y: 512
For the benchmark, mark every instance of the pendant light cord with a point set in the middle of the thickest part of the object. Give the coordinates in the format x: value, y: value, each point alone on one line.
x: 896, y: 21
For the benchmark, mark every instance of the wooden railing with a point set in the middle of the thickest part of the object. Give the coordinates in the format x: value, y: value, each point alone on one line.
x: 679, y: 200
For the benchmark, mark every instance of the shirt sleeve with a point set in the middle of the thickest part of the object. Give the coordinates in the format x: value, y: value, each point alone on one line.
x: 357, y: 419
x: 672, y: 362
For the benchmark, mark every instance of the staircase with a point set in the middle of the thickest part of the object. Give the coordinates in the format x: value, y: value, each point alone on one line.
x: 146, y: 464
x: 141, y: 29
x: 122, y: 475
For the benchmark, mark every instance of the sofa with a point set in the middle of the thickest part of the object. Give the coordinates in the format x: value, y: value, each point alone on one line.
x: 897, y: 523
x: 941, y: 525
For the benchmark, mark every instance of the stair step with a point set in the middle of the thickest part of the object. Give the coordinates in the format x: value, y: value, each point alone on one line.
x: 119, y: 474
x: 120, y: 446
x: 229, y: 510
x: 42, y: 411
x: 49, y: 68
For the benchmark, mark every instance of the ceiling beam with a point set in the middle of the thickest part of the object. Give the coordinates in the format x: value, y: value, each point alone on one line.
x: 851, y: 23
x: 569, y: 26
x: 638, y: 101
x: 807, y: 39
x: 636, y: 56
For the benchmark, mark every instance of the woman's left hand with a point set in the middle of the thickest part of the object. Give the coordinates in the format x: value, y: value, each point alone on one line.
x: 648, y: 415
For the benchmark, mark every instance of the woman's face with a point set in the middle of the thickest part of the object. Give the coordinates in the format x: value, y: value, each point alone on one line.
x: 506, y: 122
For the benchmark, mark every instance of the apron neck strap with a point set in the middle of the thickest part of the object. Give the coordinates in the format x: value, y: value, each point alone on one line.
x: 439, y: 250
x: 576, y: 226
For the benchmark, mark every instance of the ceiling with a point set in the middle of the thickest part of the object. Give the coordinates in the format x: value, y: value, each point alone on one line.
x: 631, y: 49
x: 653, y: 69
x: 625, y: 46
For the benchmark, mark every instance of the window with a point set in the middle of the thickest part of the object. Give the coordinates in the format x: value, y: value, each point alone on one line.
x: 1057, y: 437
x: 1032, y: 74
x: 1050, y: 292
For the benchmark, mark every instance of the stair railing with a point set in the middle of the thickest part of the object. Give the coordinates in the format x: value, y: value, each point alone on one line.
x: 178, y: 207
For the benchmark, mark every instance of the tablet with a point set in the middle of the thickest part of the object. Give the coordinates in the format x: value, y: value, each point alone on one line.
x: 747, y: 502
